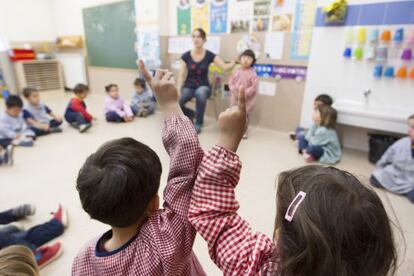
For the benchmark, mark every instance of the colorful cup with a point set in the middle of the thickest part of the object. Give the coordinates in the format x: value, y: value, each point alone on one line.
x: 386, y: 36
x: 358, y: 53
x: 410, y: 40
x: 398, y: 35
x: 369, y: 52
x: 349, y: 36
x: 362, y: 36
x: 378, y: 71
x: 411, y: 73
x: 381, y: 54
x: 347, y: 52
x: 373, y: 36
x: 402, y: 72
x: 407, y: 54
x: 389, y: 72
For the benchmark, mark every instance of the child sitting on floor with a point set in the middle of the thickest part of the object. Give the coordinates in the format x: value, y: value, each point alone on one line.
x: 142, y: 102
x: 116, y: 109
x: 76, y: 113
x: 322, y: 99
x: 246, y: 77
x: 321, y: 142
x: 327, y: 222
x: 39, y: 116
x: 13, y: 128
x: 118, y: 185
x: 395, y: 169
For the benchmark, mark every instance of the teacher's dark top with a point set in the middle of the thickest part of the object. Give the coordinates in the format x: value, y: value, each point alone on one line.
x: 197, y: 74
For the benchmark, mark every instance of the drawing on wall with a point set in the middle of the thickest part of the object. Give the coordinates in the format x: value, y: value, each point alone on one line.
x: 249, y: 42
x: 184, y: 17
x: 240, y: 16
x: 218, y: 16
x: 149, y: 48
x: 261, y: 17
x: 282, y: 16
x: 200, y: 15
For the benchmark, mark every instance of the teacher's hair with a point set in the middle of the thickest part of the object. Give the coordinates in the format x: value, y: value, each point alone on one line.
x: 201, y: 32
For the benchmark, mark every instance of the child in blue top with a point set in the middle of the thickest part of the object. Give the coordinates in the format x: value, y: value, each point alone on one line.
x: 321, y: 143
x: 142, y: 103
x: 39, y: 116
x: 395, y: 169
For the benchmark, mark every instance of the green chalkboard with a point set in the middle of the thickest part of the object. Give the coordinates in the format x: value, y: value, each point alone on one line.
x: 110, y: 35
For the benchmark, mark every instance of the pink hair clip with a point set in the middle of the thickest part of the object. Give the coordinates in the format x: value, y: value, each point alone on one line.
x: 290, y: 212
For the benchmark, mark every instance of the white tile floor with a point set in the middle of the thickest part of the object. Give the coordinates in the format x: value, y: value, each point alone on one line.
x: 46, y: 175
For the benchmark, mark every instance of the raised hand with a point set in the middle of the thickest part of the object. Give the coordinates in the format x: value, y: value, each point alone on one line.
x: 232, y: 123
x: 163, y: 86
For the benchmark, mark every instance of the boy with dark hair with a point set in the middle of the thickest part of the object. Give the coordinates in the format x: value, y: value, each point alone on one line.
x: 118, y: 185
x: 76, y: 114
x: 38, y: 115
x: 142, y: 102
x: 13, y: 128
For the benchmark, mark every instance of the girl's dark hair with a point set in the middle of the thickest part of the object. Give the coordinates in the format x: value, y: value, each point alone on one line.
x: 109, y: 87
x: 341, y: 227
x: 251, y: 54
x: 80, y: 88
x: 328, y: 116
x: 411, y: 117
x: 14, y: 101
x: 27, y: 91
x: 201, y: 32
x: 324, y: 99
x: 140, y: 82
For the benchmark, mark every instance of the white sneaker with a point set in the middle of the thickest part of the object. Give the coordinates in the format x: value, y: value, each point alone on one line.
x: 84, y: 127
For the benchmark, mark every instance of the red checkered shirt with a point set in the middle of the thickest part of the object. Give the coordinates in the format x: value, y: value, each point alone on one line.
x: 233, y: 246
x: 163, y: 245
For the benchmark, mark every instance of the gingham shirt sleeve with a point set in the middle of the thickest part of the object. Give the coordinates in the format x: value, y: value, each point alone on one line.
x: 181, y: 142
x: 233, y: 246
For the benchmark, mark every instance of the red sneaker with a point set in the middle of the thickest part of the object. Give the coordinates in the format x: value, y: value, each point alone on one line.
x: 61, y: 215
x: 48, y: 254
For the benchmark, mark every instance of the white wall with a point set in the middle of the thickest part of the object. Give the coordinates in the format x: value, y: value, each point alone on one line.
x: 26, y: 20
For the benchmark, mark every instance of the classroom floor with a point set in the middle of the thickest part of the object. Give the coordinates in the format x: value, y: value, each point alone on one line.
x: 45, y: 175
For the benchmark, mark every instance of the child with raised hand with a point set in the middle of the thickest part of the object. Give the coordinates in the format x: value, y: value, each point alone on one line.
x: 116, y: 109
x: 39, y: 116
x: 321, y: 143
x: 13, y: 128
x: 245, y: 76
x: 395, y: 170
x: 326, y: 221
x: 76, y: 114
x: 142, y: 102
x: 118, y: 185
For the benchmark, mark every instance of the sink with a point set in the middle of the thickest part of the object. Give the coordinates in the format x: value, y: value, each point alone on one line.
x: 369, y: 115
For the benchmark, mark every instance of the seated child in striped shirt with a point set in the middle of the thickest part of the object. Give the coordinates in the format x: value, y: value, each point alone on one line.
x: 246, y: 77
x: 142, y: 102
x: 13, y: 128
x: 118, y: 185
x: 327, y: 222
x: 76, y: 114
x: 116, y: 109
x: 39, y: 116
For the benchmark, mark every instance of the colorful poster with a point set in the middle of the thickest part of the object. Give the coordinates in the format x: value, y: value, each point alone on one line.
x: 261, y: 17
x: 289, y: 72
x: 184, y: 17
x: 264, y: 70
x: 149, y: 48
x: 218, y: 16
x: 240, y: 16
x: 282, y: 16
x: 302, y: 30
x: 200, y: 15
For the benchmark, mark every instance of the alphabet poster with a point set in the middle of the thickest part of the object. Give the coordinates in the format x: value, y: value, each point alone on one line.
x: 218, y: 16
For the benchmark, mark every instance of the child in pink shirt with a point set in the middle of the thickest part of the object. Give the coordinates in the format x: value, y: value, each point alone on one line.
x: 116, y: 109
x: 246, y: 77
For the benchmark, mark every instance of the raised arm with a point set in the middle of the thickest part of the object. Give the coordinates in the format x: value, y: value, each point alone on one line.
x: 233, y: 245
x: 180, y: 141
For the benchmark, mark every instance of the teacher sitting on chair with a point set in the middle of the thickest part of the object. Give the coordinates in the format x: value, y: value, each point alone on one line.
x: 196, y: 62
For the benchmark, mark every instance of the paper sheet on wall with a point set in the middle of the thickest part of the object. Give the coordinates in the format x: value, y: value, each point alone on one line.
x: 267, y: 88
x: 146, y: 12
x: 200, y: 15
x: 282, y: 16
x: 218, y: 16
x: 184, y: 17
x: 179, y: 45
x: 261, y: 19
x: 274, y: 44
x: 149, y: 48
x: 240, y: 16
